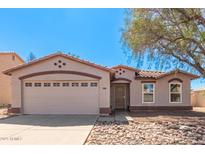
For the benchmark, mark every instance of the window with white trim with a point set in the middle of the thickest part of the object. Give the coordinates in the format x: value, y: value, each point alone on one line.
x: 148, y: 90
x: 175, y: 92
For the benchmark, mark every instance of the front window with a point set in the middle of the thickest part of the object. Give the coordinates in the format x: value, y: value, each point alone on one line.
x: 175, y: 92
x: 148, y: 92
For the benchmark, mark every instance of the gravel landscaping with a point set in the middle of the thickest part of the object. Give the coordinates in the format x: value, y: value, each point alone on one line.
x: 179, y: 127
x: 4, y: 114
x: 3, y: 111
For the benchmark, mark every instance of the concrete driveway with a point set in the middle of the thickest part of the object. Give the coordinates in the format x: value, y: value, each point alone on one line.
x: 46, y: 129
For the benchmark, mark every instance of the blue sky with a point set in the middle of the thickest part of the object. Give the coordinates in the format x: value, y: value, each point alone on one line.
x: 92, y: 34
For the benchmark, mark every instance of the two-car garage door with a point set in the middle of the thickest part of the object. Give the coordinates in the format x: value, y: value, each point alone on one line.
x: 60, y: 97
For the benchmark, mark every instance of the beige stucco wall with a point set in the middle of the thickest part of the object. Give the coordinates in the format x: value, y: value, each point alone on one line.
x: 198, y: 98
x: 48, y: 65
x: 6, y: 62
x: 161, y: 90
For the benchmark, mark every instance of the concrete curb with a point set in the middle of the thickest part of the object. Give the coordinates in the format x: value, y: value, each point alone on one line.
x: 10, y: 116
x: 84, y: 143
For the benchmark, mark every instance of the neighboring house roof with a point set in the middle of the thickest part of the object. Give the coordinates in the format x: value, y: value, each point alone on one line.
x: 12, y: 53
x: 199, y: 89
x: 9, y: 71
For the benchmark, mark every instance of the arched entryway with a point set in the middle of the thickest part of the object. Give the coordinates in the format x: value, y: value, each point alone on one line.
x: 120, y: 94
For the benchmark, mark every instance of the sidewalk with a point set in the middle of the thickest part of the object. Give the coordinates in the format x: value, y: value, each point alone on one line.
x: 118, y: 116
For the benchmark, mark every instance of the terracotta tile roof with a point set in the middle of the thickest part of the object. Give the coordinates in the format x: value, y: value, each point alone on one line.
x: 141, y: 73
x: 158, y: 74
x: 55, y: 55
x: 193, y: 76
x: 150, y: 74
x: 153, y: 74
x: 12, y: 53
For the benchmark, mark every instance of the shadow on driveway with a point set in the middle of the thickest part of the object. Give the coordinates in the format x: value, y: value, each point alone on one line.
x: 51, y: 120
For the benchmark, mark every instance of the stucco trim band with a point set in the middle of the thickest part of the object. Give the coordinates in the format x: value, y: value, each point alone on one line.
x: 59, y: 72
x: 117, y: 79
x: 148, y: 81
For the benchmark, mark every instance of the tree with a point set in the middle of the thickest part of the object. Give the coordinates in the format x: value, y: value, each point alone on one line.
x: 31, y: 57
x: 167, y: 37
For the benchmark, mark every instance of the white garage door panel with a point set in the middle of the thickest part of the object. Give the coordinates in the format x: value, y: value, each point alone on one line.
x: 60, y: 100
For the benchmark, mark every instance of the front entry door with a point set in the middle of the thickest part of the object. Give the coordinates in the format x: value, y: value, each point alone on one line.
x: 120, y: 97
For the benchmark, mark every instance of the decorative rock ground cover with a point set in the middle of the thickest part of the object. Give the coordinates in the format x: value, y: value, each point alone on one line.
x: 154, y: 128
x: 4, y: 114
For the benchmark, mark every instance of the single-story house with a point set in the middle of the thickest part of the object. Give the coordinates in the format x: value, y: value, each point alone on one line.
x: 62, y: 84
x: 7, y: 60
x: 198, y: 97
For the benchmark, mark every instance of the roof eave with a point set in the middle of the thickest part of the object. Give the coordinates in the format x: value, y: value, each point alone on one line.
x: 153, y: 78
x: 126, y: 67
x: 9, y: 71
x: 193, y: 76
